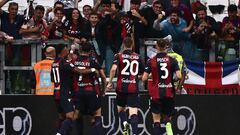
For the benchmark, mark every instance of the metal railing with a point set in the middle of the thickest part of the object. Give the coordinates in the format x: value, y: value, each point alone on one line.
x: 18, y: 57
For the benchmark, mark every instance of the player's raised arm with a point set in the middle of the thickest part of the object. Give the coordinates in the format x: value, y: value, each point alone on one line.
x: 84, y: 71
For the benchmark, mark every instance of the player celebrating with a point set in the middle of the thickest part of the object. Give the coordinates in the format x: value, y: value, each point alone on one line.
x: 88, y: 98
x: 62, y: 77
x: 162, y: 90
x: 129, y: 65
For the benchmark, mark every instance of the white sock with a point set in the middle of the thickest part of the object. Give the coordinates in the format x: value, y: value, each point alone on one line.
x: 125, y: 123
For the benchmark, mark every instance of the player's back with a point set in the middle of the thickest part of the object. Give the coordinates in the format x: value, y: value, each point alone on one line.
x: 86, y: 82
x: 162, y: 68
x: 62, y: 76
x: 129, y: 66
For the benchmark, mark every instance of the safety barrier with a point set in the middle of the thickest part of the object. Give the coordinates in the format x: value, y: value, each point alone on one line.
x: 194, y: 115
x: 18, y: 57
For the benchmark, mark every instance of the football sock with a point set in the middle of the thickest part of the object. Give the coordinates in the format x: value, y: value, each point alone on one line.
x: 97, y: 126
x: 169, y: 128
x: 156, y: 128
x: 134, y: 124
x: 79, y: 125
x: 123, y: 116
x: 65, y: 127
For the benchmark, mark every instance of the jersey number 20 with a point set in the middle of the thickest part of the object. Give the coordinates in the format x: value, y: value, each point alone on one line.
x: 133, y: 64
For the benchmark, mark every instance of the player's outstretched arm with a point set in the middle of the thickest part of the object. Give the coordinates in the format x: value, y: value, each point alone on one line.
x: 84, y: 71
x: 104, y: 82
x: 145, y: 76
x: 111, y: 75
x: 179, y: 74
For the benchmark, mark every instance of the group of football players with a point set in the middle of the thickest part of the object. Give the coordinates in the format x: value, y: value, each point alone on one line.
x: 80, y: 82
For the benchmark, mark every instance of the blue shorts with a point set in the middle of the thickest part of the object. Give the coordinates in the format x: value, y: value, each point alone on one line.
x: 88, y: 102
x: 128, y: 99
x: 163, y: 106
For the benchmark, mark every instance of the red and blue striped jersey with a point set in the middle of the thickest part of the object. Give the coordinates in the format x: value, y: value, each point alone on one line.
x: 86, y: 82
x: 61, y: 74
x: 130, y: 66
x: 162, y: 67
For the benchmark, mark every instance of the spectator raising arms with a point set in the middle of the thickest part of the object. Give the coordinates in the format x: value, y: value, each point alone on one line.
x: 36, y: 27
x: 49, y: 16
x: 151, y: 14
x: 185, y: 14
x: 231, y: 24
x: 138, y: 22
x: 205, y: 28
x: 11, y: 22
x: 174, y: 26
x: 56, y: 27
x: 110, y: 40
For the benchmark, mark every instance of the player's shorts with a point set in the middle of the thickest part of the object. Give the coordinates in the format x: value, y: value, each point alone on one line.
x: 58, y: 106
x: 163, y: 106
x: 67, y: 105
x: 128, y: 99
x: 88, y: 102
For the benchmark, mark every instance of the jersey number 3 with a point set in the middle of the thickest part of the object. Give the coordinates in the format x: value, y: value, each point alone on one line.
x: 133, y: 64
x: 164, y: 68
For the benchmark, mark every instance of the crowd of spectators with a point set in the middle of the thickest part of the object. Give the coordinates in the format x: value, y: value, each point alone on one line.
x: 105, y: 25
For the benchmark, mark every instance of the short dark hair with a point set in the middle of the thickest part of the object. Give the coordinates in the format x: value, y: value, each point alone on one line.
x: 232, y: 8
x: 58, y: 2
x: 58, y: 9
x: 40, y: 7
x: 137, y: 2
x: 117, y: 6
x: 13, y: 4
x: 106, y: 2
x: 94, y: 13
x: 157, y: 2
x: 176, y: 11
x: 127, y: 42
x: 59, y: 49
x: 162, y: 43
x: 200, y: 8
x: 87, y: 6
x: 86, y: 47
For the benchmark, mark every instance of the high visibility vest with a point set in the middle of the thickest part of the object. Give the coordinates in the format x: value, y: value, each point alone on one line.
x: 44, y: 85
x: 178, y: 58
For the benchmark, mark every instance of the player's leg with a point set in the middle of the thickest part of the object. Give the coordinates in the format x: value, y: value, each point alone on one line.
x: 122, y: 114
x: 121, y: 100
x: 79, y: 109
x: 66, y: 125
x: 133, y: 113
x: 94, y: 105
x: 61, y: 115
x: 133, y: 104
x: 78, y: 122
x: 155, y: 108
x: 156, y: 124
x: 97, y: 123
x: 168, y: 110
